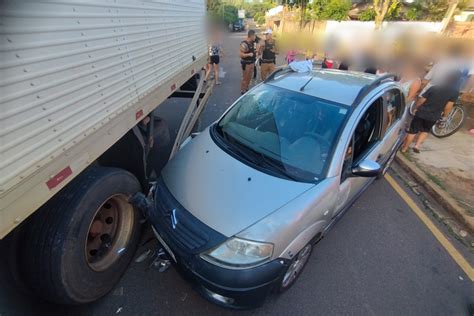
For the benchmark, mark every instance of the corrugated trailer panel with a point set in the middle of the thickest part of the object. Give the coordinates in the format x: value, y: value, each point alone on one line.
x: 68, y: 66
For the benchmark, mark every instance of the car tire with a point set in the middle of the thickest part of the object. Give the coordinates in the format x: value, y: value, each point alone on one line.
x: 78, y: 245
x: 295, y: 268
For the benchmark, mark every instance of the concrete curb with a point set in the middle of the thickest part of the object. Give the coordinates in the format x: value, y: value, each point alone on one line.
x: 436, y: 192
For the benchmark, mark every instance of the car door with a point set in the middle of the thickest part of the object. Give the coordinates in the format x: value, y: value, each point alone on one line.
x: 365, y: 143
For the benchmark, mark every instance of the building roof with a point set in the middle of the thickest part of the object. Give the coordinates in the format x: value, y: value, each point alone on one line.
x: 329, y: 84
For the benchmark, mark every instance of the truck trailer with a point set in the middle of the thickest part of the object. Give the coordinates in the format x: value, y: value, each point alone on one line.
x: 79, y: 81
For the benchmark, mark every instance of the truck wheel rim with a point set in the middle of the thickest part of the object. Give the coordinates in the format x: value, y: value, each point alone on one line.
x: 297, y: 266
x: 109, y: 232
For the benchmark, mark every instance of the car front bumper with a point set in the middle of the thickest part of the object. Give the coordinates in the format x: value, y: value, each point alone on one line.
x: 241, y: 289
x: 185, y: 241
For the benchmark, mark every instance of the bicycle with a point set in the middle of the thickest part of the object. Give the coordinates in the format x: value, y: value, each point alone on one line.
x: 450, y: 125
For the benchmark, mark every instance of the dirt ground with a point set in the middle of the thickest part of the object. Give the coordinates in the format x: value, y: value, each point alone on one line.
x: 459, y: 187
x: 449, y: 162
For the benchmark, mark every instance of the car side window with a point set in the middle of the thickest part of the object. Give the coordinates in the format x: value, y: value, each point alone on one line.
x: 367, y: 133
x: 394, y: 104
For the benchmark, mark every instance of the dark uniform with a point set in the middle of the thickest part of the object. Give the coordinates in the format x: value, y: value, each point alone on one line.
x: 248, y: 64
x: 268, y: 59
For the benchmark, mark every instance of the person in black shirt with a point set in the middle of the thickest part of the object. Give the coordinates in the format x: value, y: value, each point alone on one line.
x: 437, y: 101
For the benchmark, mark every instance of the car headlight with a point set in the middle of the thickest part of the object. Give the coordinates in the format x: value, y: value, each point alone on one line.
x: 238, y: 253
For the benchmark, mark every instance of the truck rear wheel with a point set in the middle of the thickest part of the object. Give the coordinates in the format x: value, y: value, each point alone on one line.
x: 79, y: 244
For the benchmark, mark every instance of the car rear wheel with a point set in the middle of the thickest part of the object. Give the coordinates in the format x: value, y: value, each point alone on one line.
x: 79, y: 244
x: 295, y: 268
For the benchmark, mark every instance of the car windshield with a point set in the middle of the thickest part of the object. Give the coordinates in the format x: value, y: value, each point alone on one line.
x: 286, y: 132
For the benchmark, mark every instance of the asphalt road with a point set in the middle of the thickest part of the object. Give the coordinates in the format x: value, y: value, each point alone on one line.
x: 378, y: 259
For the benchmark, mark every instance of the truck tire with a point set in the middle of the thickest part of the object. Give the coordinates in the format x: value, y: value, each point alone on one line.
x: 78, y: 245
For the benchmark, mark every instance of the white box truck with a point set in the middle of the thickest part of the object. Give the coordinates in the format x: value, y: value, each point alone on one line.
x: 78, y: 83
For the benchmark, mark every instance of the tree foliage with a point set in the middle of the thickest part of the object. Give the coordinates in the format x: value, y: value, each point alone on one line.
x: 223, y: 12
x: 367, y: 15
x: 382, y: 8
x: 337, y: 10
x: 328, y: 10
x: 430, y: 10
x: 251, y: 9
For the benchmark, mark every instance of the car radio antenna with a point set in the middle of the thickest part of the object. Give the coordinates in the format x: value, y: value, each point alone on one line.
x: 304, y: 86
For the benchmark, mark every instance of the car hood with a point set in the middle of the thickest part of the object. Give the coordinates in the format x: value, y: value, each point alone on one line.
x: 222, y: 192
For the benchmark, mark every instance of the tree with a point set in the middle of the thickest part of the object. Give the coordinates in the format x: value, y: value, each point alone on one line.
x: 336, y: 10
x: 328, y: 10
x: 381, y: 8
x: 230, y: 14
x: 314, y: 11
x: 432, y: 10
x: 222, y: 12
x: 213, y: 5
x: 436, y: 9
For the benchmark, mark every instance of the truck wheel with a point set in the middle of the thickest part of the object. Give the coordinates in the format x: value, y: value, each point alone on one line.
x: 79, y: 244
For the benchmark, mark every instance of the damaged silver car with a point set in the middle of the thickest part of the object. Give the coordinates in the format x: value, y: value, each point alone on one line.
x: 241, y: 205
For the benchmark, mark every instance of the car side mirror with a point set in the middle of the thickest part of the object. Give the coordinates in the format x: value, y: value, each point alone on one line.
x: 366, y: 168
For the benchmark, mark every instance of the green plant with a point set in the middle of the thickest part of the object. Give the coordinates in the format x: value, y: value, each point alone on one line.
x: 336, y: 10
x: 414, y: 13
x: 367, y: 15
x: 229, y: 14
x: 314, y: 11
x: 393, y: 12
x: 261, y: 20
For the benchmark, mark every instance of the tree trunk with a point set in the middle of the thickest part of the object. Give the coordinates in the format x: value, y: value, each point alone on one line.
x: 378, y: 22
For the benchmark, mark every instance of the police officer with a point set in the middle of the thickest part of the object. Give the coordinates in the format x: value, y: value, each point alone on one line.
x: 248, y: 56
x: 268, y: 51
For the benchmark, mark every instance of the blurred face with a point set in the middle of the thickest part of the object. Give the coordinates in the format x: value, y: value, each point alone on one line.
x: 252, y: 37
x: 269, y: 37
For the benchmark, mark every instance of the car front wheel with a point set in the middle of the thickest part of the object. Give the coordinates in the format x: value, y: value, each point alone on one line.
x: 295, y: 268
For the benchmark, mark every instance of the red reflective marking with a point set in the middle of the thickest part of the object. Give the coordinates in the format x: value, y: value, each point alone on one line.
x: 173, y: 87
x: 60, y: 177
x: 138, y: 114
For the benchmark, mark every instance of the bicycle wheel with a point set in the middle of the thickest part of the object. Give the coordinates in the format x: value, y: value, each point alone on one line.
x: 454, y: 122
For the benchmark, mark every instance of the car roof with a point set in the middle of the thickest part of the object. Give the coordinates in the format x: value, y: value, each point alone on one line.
x: 329, y: 84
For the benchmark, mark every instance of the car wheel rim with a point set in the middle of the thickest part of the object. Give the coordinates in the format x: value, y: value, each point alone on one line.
x: 296, y: 266
x: 109, y: 232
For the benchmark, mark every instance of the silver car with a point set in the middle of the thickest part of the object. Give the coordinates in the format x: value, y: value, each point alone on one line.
x: 241, y: 205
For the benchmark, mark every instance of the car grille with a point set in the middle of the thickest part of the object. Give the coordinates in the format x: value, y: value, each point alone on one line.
x: 188, y: 233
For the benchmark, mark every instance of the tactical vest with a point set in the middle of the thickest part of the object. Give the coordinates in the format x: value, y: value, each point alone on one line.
x: 268, y: 55
x: 250, y: 48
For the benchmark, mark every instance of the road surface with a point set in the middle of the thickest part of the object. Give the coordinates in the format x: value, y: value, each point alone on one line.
x: 380, y: 258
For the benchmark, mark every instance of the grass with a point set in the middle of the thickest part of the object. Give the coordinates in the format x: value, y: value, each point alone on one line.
x: 435, y: 179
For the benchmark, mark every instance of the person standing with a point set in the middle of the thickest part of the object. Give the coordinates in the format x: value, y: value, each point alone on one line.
x: 248, y: 56
x: 437, y: 101
x: 410, y: 82
x: 215, y: 52
x: 268, y: 51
